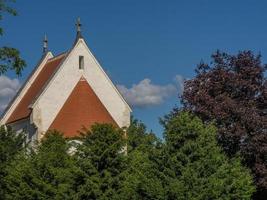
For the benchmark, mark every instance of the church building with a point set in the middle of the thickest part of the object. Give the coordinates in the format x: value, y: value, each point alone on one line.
x: 66, y: 92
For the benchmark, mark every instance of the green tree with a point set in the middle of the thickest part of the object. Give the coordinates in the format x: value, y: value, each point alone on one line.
x: 48, y: 172
x: 110, y: 172
x: 138, y: 138
x: 195, y: 166
x: 102, y: 159
x: 10, y: 145
x: 142, y: 177
x: 9, y: 57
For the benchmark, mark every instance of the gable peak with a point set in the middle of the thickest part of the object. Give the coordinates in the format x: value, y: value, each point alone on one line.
x: 82, y: 78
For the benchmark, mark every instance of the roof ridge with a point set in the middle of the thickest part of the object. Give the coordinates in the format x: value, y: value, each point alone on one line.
x: 57, y: 57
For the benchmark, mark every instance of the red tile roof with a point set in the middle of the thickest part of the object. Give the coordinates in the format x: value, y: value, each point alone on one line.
x: 22, y: 110
x: 82, y: 109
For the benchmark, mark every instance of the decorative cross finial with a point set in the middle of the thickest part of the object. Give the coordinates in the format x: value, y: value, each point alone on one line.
x: 45, y: 44
x: 78, y: 27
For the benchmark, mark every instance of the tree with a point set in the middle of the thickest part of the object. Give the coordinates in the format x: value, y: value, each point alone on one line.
x: 47, y: 172
x: 195, y: 166
x: 110, y: 173
x: 9, y: 57
x: 142, y: 177
x: 10, y: 145
x: 102, y: 159
x: 138, y: 138
x: 232, y: 91
x: 189, y: 165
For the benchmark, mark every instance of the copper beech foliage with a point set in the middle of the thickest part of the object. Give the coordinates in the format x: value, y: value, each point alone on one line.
x: 232, y: 91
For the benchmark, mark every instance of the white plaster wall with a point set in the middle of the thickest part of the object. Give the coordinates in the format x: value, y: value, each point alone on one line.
x: 24, y: 126
x: 60, y: 87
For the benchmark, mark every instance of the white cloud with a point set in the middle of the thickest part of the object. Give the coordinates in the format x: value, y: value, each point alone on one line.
x: 8, y: 89
x: 179, y: 80
x: 146, y: 94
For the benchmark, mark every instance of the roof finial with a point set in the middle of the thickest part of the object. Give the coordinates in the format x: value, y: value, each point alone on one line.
x: 78, y: 27
x: 45, y: 44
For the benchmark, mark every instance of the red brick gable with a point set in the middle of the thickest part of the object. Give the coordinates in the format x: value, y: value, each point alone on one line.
x: 82, y: 109
x: 22, y: 110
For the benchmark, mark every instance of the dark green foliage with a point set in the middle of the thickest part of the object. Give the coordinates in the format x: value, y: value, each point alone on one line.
x: 189, y: 165
x: 9, y: 57
x: 110, y: 173
x: 104, y: 145
x: 102, y: 159
x: 138, y: 138
x: 47, y: 172
x: 142, y: 178
x: 10, y: 145
x: 196, y: 168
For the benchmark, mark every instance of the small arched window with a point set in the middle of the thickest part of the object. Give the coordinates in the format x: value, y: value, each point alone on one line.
x: 81, y: 62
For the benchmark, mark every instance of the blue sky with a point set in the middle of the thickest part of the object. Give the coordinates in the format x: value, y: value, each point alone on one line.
x: 137, y: 40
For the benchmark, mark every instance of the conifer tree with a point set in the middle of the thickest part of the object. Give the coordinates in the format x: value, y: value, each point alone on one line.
x: 142, y: 177
x: 138, y: 138
x: 196, y: 167
x: 101, y: 157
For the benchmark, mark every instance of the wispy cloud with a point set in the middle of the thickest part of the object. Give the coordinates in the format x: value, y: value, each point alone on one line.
x: 147, y: 94
x: 179, y: 82
x: 8, y: 89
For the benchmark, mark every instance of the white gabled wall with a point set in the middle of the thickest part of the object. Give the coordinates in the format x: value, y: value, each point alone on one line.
x: 106, y: 91
x: 53, y: 97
